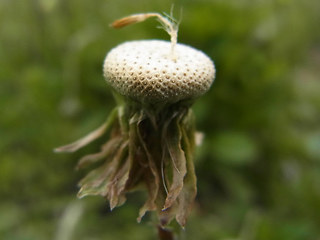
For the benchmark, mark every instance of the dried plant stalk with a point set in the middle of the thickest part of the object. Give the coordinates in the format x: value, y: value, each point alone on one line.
x: 151, y: 134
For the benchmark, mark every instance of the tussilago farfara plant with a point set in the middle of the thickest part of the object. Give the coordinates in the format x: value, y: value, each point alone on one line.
x: 151, y: 130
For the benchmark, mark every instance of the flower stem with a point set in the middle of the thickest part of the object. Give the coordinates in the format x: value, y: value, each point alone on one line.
x: 165, y: 234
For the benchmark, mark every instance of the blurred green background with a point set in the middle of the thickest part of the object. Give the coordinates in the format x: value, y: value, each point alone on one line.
x: 259, y: 166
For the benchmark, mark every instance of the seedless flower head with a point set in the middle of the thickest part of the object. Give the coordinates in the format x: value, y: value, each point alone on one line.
x: 145, y: 71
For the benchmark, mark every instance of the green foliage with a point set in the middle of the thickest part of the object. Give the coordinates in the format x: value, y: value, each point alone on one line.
x: 258, y: 167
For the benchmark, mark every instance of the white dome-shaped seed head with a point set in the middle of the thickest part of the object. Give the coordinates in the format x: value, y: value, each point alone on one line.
x: 145, y: 71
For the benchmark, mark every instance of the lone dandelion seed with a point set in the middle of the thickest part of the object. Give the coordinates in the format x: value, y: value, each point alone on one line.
x: 151, y: 130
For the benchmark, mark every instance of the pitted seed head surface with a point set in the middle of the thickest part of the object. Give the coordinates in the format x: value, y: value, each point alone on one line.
x: 145, y: 71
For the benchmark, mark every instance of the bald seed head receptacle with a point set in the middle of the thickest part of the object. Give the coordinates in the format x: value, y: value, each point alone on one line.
x: 144, y: 71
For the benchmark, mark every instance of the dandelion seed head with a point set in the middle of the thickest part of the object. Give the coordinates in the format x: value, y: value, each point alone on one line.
x: 143, y: 70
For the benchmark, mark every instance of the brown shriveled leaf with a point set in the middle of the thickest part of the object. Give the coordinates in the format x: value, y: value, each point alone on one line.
x: 150, y: 204
x: 177, y: 155
x: 122, y: 178
x: 116, y: 195
x: 138, y: 161
x: 94, y: 183
x: 126, y: 173
x: 72, y: 147
x: 189, y: 191
x: 153, y: 181
x: 97, y: 182
x: 107, y: 149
